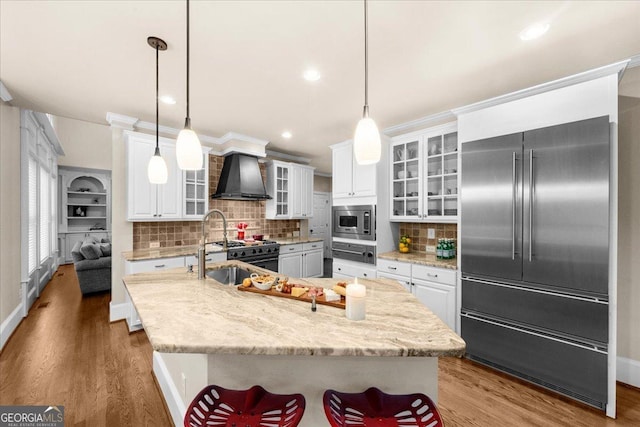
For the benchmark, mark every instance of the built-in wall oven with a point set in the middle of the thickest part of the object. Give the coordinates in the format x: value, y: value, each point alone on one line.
x: 355, y: 222
x: 365, y: 253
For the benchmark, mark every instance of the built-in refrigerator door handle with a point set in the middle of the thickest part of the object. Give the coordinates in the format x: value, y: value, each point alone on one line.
x: 531, y: 199
x: 513, y: 206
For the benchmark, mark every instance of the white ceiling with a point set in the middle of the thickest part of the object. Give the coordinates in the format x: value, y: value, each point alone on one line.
x: 81, y: 59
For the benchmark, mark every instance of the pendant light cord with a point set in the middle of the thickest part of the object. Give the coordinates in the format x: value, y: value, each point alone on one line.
x: 366, y: 62
x: 188, y: 119
x: 157, y: 105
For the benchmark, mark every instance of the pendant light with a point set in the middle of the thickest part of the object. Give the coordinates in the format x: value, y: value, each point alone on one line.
x: 366, y: 142
x: 157, y: 169
x: 188, y: 148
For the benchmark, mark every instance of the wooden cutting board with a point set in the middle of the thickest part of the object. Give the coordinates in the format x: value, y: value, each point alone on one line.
x: 304, y: 297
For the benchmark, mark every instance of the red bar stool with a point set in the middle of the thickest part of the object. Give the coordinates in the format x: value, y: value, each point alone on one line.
x: 375, y: 408
x: 256, y: 407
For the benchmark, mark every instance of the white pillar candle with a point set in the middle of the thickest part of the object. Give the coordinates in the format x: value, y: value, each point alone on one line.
x: 356, y: 307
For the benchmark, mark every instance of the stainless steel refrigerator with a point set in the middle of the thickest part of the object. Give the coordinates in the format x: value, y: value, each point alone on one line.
x: 535, y: 256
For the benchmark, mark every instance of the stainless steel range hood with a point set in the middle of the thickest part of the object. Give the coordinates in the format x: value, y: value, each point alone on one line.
x: 240, y: 179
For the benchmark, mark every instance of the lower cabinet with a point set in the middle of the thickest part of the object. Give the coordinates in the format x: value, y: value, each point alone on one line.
x: 145, y: 266
x: 192, y: 260
x: 434, y: 287
x: 349, y: 269
x: 301, y: 260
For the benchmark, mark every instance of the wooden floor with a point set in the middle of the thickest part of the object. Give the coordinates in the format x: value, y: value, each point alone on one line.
x: 67, y: 353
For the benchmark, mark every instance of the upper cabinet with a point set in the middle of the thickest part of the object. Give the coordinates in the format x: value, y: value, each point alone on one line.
x: 183, y: 197
x: 349, y: 178
x: 290, y: 186
x: 424, y: 175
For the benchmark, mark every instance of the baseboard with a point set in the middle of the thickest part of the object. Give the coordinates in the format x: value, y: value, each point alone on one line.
x: 628, y: 371
x: 10, y: 324
x: 169, y: 391
x: 118, y: 311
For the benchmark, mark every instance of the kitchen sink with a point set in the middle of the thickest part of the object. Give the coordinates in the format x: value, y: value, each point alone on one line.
x: 229, y: 275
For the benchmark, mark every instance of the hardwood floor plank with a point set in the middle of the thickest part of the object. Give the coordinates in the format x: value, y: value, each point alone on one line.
x: 68, y: 353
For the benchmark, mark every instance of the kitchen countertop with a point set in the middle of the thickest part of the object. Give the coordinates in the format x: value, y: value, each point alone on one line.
x: 182, y: 314
x: 422, y: 258
x: 174, y: 251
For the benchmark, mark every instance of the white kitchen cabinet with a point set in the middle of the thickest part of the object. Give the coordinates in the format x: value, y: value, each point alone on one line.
x: 290, y: 186
x: 133, y: 319
x: 424, y: 175
x: 302, y: 191
x: 210, y: 257
x: 150, y: 265
x: 183, y: 197
x: 196, y: 191
x: 434, y: 287
x: 350, y: 269
x: 313, y: 259
x: 301, y: 260
x: 349, y: 178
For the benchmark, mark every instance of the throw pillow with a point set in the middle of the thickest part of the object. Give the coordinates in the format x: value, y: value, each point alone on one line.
x: 105, y: 240
x: 91, y: 250
x: 106, y: 249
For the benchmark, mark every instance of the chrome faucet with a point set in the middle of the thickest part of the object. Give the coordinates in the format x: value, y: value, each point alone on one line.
x: 202, y: 250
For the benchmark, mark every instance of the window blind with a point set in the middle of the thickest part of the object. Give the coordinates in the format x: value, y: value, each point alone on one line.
x: 45, y: 214
x: 33, y: 212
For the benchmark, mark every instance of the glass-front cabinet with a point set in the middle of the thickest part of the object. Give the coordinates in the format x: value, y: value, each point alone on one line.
x: 424, y: 175
x: 195, y: 192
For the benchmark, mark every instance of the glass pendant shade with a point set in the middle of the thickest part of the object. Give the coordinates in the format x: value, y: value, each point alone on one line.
x: 157, y: 169
x: 189, y: 150
x: 366, y: 143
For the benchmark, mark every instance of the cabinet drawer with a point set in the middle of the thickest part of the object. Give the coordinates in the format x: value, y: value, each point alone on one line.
x: 394, y: 267
x: 538, y: 309
x: 573, y: 370
x: 312, y: 246
x: 432, y: 274
x: 353, y: 270
x: 212, y: 257
x: 404, y: 281
x: 289, y: 249
x: 150, y: 265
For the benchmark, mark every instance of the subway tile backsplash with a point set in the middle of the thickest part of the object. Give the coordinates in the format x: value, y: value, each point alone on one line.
x: 185, y: 233
x: 418, y: 234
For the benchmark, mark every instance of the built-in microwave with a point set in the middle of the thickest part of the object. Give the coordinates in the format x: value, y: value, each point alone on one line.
x: 355, y: 222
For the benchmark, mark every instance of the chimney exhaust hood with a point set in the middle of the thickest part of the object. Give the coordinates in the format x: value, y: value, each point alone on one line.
x: 241, y: 179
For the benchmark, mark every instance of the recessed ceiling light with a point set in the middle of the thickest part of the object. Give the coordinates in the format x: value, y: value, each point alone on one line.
x: 286, y: 134
x: 534, y: 31
x: 167, y: 99
x: 312, y: 75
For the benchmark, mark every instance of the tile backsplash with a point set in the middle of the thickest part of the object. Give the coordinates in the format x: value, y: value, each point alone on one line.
x: 418, y: 234
x: 184, y: 233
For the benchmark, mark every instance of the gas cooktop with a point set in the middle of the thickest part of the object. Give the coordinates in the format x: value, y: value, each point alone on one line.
x: 239, y: 244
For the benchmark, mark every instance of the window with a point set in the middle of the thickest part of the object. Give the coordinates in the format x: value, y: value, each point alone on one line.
x: 45, y: 214
x: 33, y: 212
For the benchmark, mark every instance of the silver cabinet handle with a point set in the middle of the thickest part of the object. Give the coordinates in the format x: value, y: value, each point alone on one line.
x: 392, y: 268
x: 531, y: 198
x: 159, y: 266
x: 364, y: 274
x: 513, y: 206
x: 292, y: 249
x: 432, y: 275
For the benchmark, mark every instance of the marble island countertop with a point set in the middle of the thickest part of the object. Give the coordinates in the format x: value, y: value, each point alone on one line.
x: 182, y: 314
x: 175, y: 251
x: 422, y: 258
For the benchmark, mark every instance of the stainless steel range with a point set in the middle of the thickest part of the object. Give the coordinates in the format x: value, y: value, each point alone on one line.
x: 263, y: 255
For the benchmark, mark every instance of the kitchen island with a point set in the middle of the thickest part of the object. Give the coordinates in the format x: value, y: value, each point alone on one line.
x: 206, y: 333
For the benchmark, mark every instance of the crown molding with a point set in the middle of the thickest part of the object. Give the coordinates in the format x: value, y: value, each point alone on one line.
x: 4, y: 93
x: 634, y: 61
x: 419, y: 124
x: 607, y: 70
x: 286, y: 156
x: 229, y: 136
x: 121, y: 121
x: 47, y: 128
